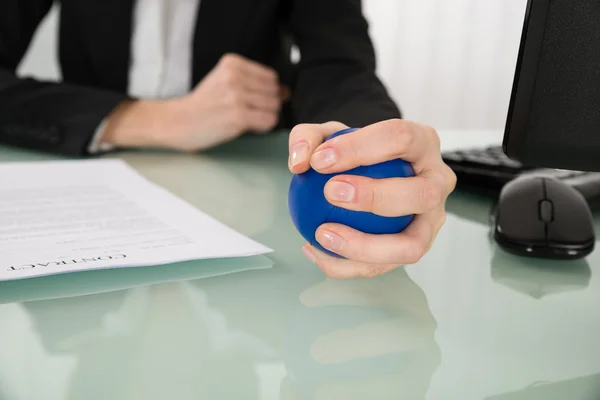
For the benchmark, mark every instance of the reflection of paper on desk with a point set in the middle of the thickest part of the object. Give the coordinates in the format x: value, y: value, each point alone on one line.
x: 65, y: 216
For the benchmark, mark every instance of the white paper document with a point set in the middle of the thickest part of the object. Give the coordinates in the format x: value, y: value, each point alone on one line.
x: 66, y: 216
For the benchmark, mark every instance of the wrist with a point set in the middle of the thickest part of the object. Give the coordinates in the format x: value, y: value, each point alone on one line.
x: 143, y: 123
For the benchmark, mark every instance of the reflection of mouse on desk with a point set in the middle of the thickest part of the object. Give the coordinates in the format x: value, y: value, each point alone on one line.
x: 539, y: 278
x: 542, y: 217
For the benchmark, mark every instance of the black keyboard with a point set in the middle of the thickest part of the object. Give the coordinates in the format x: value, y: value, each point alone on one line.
x: 487, y: 170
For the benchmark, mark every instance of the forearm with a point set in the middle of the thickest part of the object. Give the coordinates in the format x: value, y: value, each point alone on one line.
x: 52, y: 117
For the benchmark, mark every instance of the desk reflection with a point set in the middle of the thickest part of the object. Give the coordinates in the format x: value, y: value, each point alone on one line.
x: 84, y: 283
x: 359, y: 339
x: 95, y: 333
x: 582, y: 388
x: 539, y: 278
x: 151, y: 343
x: 348, y: 339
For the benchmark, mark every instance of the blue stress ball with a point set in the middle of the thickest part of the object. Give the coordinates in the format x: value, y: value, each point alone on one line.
x: 310, y: 209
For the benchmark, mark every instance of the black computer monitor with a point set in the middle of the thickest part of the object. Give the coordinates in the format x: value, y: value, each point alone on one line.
x: 554, y: 115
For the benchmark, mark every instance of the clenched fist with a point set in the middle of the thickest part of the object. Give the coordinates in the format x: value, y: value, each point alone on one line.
x: 423, y: 195
x: 237, y: 96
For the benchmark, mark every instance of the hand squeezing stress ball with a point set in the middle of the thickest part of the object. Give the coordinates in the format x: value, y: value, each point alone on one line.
x: 390, y: 178
x: 309, y: 208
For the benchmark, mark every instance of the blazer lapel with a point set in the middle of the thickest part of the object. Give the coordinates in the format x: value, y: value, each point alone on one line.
x: 220, y: 29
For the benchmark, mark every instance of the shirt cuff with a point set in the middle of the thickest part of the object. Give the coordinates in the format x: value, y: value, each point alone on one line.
x: 96, y: 146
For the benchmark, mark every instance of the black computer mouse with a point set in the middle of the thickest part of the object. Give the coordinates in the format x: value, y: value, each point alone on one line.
x: 538, y: 216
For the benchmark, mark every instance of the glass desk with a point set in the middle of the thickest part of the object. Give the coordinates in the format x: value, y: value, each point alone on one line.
x: 467, y: 322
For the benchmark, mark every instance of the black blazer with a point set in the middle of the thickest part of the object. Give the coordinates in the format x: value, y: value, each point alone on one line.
x: 335, y: 79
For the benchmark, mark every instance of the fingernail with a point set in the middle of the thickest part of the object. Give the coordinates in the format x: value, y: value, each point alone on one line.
x: 340, y: 191
x: 330, y: 240
x: 299, y: 153
x: 309, y: 254
x: 323, y: 159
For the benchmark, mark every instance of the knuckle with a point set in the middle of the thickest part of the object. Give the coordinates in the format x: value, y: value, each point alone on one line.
x: 435, y: 138
x: 352, y: 145
x: 432, y: 195
x: 329, y: 270
x: 235, y: 99
x: 230, y: 59
x: 414, y: 256
x: 275, y: 104
x: 239, y: 117
x: 371, y: 271
x: 299, y: 131
x: 334, y: 126
x: 273, y: 119
x: 304, y: 132
x: 453, y: 180
x: 272, y: 75
x: 416, y: 253
x: 330, y: 273
x: 269, y: 120
x: 443, y: 217
x: 230, y: 76
x: 375, y: 197
x: 401, y: 135
x: 355, y: 250
x: 357, y: 245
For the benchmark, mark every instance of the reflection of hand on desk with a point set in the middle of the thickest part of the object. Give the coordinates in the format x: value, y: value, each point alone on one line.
x: 361, y: 338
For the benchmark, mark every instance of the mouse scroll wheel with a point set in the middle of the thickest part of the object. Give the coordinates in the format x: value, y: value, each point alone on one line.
x: 546, y: 211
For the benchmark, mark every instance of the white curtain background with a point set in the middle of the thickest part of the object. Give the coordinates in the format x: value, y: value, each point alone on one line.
x: 448, y: 63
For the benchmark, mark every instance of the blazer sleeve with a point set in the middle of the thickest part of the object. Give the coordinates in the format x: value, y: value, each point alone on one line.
x: 337, y: 72
x: 53, y: 117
